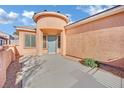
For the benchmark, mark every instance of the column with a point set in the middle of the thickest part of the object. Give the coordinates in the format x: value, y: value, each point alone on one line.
x: 39, y: 42
x: 8, y: 42
x: 63, y: 43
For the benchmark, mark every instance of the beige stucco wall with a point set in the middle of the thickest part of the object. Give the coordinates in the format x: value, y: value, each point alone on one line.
x: 22, y: 49
x: 102, y: 39
x: 6, y: 57
x: 51, y: 22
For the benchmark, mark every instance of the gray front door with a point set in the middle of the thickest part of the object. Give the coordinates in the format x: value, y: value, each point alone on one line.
x: 52, y: 44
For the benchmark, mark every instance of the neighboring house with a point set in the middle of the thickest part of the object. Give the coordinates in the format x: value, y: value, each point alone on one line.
x: 4, y: 38
x: 14, y: 39
x: 100, y: 36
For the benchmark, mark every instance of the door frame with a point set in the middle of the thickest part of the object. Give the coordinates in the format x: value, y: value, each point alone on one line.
x: 56, y: 45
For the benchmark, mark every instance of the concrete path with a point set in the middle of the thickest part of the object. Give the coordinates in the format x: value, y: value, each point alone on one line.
x: 55, y: 71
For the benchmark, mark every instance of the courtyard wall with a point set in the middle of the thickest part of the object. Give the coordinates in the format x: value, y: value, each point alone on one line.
x: 102, y: 39
x: 7, y: 55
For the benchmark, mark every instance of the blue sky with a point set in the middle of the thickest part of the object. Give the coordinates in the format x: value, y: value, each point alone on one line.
x: 21, y: 15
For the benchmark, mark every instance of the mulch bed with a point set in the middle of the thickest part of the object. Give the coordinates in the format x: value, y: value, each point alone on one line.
x: 116, y: 67
x: 113, y: 70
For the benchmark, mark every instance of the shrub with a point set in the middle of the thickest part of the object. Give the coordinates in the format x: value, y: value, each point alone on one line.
x: 91, y: 62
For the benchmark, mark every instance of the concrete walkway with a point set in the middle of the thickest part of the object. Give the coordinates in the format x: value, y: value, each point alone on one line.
x: 55, y: 71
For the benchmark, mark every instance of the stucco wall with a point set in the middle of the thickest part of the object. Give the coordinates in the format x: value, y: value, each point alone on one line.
x: 22, y: 49
x: 6, y: 57
x: 51, y: 22
x: 102, y: 39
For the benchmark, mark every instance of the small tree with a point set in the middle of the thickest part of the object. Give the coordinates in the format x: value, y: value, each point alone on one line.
x: 15, y: 33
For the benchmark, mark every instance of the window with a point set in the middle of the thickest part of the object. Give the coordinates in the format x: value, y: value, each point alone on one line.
x: 44, y: 41
x: 59, y: 41
x: 30, y: 40
x: 0, y: 42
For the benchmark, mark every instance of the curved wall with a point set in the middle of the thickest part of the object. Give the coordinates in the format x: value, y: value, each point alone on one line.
x: 50, y: 20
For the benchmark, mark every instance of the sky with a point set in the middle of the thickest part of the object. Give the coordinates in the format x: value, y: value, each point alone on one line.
x: 21, y: 15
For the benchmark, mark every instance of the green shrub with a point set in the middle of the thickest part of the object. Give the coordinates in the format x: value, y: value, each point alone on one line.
x: 91, y: 62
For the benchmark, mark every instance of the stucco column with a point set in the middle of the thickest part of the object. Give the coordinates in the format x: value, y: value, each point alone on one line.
x: 7, y: 42
x: 63, y: 43
x: 39, y: 42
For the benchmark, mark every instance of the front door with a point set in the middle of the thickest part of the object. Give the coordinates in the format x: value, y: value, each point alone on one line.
x: 52, y: 44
